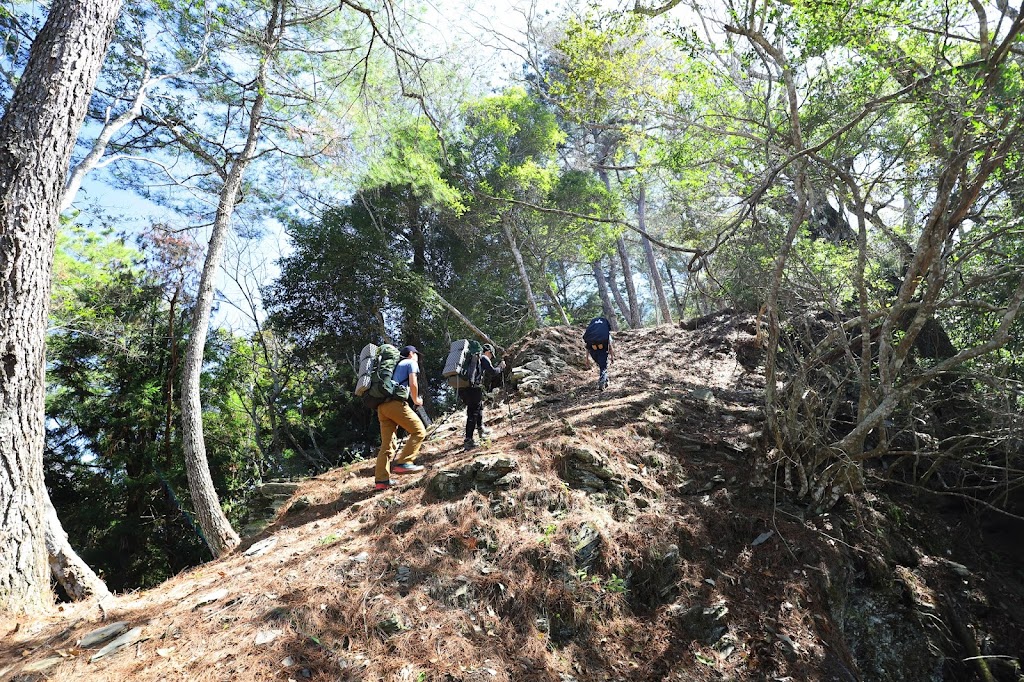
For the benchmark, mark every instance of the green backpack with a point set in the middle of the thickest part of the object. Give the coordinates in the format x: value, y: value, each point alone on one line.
x: 382, y: 387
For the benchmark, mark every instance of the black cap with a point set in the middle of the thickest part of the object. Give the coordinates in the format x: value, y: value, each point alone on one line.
x: 408, y: 351
x: 488, y: 347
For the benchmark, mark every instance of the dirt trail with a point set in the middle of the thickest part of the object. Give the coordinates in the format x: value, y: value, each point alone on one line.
x: 607, y: 535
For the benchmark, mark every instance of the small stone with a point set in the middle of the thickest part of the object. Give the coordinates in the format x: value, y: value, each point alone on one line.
x: 211, y: 597
x: 959, y: 569
x: 300, y: 504
x: 702, y: 394
x: 266, y: 636
x: 361, y: 558
x: 40, y: 666
x: 130, y: 637
x: 103, y: 634
x: 260, y: 548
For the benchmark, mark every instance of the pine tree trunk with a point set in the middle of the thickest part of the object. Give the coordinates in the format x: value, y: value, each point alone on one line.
x: 602, y: 290
x: 217, y: 530
x: 553, y: 297
x: 630, y: 311
x: 521, y: 266
x: 657, y: 286
x: 627, y: 275
x: 623, y: 306
x: 37, y: 136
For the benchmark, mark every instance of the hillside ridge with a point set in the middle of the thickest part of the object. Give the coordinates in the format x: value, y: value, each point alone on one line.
x: 610, y: 535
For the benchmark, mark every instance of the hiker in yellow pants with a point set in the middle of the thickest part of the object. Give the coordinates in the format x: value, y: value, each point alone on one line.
x: 395, y: 413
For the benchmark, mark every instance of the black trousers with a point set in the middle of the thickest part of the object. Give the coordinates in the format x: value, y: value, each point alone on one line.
x: 474, y: 399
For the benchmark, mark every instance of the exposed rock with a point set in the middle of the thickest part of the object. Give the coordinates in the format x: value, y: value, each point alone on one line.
x: 653, y: 580
x: 103, y: 634
x: 586, y: 546
x: 704, y: 624
x: 267, y: 636
x: 260, y: 548
x: 211, y: 597
x: 272, y: 489
x: 299, y: 504
x: 42, y: 665
x: 704, y: 395
x: 582, y: 467
x: 403, y: 577
x: 392, y: 625
x: 130, y: 637
x: 270, y: 498
x: 484, y: 475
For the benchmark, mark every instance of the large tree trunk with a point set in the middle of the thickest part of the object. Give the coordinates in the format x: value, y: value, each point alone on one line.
x: 74, y: 575
x: 630, y: 311
x: 657, y: 286
x: 521, y: 266
x: 37, y: 136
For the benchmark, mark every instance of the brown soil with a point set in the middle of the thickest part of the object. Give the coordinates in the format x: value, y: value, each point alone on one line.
x: 396, y: 585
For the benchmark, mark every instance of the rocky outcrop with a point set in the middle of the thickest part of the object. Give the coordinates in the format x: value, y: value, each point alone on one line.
x: 583, y: 467
x: 484, y: 475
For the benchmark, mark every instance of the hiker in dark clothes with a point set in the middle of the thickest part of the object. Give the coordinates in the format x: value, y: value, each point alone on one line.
x: 473, y: 396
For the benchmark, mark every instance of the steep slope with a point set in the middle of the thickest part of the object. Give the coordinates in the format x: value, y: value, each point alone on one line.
x: 607, y: 535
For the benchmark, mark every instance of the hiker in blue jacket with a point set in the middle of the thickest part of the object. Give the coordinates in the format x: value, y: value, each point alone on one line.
x: 473, y: 396
x: 598, y: 341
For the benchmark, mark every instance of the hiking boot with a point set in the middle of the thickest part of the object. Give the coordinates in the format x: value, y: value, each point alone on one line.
x: 408, y: 468
x: 468, y: 445
x: 484, y: 433
x: 384, y: 485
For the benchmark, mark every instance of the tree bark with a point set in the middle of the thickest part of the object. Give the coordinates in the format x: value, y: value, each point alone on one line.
x: 464, y: 320
x: 602, y: 290
x: 217, y: 530
x: 627, y: 275
x: 657, y: 286
x: 74, y: 575
x: 629, y: 311
x: 521, y: 266
x: 680, y: 311
x: 616, y: 294
x: 553, y: 297
x: 37, y: 137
